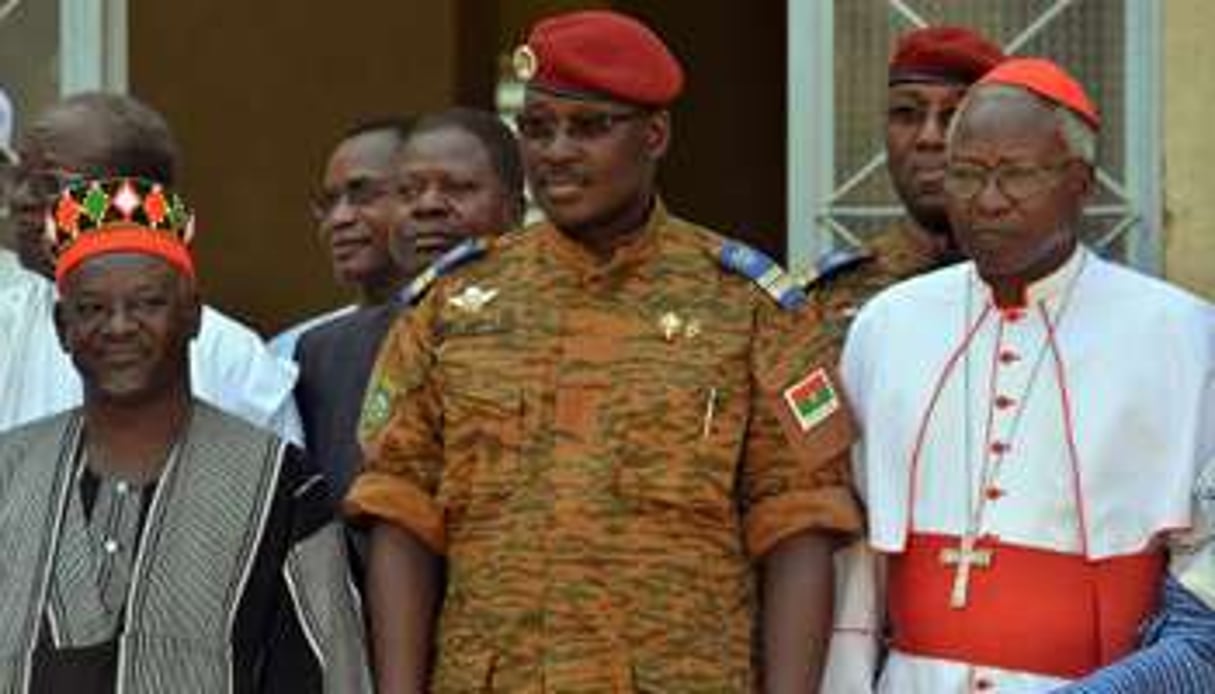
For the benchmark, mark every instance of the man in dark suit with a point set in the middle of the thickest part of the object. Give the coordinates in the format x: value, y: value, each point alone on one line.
x: 458, y: 177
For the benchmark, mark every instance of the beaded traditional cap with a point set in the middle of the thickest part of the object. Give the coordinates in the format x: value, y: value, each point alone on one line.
x: 115, y: 215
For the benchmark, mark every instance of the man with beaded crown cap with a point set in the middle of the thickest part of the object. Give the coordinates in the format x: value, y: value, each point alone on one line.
x: 616, y: 427
x: 929, y: 72
x: 96, y: 134
x: 154, y: 543
x: 1037, y: 460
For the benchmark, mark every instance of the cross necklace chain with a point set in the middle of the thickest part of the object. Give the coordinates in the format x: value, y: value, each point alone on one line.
x: 966, y: 555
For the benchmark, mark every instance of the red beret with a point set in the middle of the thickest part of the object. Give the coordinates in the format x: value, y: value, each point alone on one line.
x: 1047, y: 80
x: 943, y: 54
x: 598, y: 53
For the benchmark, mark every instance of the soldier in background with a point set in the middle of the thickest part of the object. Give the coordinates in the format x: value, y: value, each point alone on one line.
x: 930, y: 71
x: 618, y: 428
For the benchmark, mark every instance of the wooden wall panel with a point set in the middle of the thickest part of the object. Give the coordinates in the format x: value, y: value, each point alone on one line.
x: 257, y: 93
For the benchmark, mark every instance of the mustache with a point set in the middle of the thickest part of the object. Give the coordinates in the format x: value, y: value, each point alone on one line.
x: 989, y: 230
x: 561, y: 174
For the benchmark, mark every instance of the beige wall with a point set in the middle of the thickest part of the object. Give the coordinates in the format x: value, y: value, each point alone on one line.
x: 257, y: 93
x: 258, y: 96
x: 1189, y: 137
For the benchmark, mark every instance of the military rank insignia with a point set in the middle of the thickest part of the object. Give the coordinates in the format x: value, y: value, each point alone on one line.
x: 763, y: 271
x: 461, y: 254
x: 834, y: 264
x: 377, y: 407
x: 812, y: 399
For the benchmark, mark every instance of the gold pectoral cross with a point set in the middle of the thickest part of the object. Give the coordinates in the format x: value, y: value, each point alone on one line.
x: 964, y: 556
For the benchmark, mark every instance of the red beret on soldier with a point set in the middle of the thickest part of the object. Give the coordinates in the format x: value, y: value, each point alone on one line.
x: 943, y: 54
x: 599, y: 54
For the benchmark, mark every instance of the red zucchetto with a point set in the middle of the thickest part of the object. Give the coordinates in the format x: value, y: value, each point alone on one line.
x: 950, y: 54
x: 599, y: 54
x: 1049, y: 81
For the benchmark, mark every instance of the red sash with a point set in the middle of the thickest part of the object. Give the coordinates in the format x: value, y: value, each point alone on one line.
x: 1031, y: 610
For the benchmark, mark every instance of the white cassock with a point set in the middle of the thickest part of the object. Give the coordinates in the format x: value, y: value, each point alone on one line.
x: 230, y: 366
x: 1063, y: 437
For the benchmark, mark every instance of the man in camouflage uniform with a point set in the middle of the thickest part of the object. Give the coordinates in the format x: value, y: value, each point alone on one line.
x: 930, y: 72
x: 605, y: 425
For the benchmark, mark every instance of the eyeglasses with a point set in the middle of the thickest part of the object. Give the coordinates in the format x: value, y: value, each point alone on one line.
x: 1017, y: 182
x: 359, y: 192
x: 580, y: 127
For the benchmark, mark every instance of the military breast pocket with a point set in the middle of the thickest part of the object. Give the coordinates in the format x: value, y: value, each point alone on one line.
x: 679, y: 451
x: 483, y: 436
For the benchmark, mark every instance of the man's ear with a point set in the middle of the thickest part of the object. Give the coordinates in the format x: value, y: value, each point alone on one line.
x: 657, y: 134
x: 61, y: 326
x: 195, y: 315
x: 1083, y: 181
x: 191, y: 305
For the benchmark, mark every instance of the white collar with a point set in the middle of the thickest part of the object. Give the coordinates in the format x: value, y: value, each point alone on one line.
x: 10, y: 268
x: 1045, y: 288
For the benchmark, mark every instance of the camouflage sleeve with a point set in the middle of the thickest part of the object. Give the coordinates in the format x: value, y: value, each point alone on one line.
x: 841, y: 298
x: 795, y: 467
x: 398, y: 431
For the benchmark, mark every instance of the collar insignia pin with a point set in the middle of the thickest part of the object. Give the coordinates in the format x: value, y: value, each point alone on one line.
x: 670, y: 324
x: 692, y: 331
x: 473, y: 298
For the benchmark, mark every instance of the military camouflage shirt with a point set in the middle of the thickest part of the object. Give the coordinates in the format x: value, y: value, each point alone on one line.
x: 894, y: 255
x: 600, y: 450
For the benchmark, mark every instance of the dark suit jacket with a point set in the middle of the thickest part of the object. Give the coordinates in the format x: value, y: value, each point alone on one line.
x: 335, y: 362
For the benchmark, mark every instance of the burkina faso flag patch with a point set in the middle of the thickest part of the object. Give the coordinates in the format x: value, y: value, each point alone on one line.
x: 812, y: 399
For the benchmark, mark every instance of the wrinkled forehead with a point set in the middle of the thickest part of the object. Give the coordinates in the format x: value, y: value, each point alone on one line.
x: 121, y: 270
x: 448, y: 147
x: 997, y: 114
x: 541, y: 99
x: 926, y: 92
x: 370, y: 149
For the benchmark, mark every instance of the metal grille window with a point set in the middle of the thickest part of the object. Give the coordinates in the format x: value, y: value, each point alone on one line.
x: 51, y: 48
x: 838, y: 52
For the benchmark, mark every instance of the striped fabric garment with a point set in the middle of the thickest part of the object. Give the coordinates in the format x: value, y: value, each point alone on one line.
x: 1177, y: 656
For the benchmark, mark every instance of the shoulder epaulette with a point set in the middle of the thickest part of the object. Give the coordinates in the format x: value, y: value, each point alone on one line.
x: 835, y: 263
x: 463, y: 253
x: 763, y: 271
